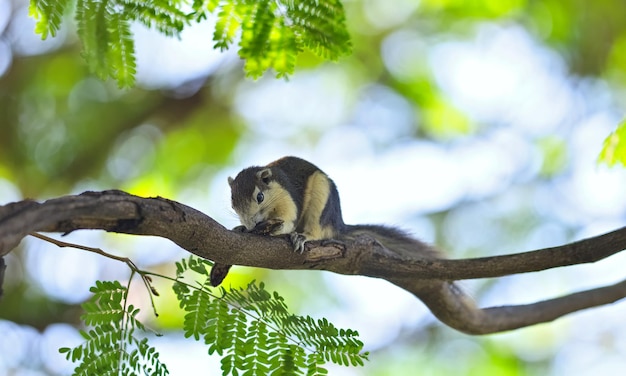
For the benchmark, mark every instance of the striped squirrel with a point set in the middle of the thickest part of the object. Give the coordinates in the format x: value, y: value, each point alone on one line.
x: 301, y: 196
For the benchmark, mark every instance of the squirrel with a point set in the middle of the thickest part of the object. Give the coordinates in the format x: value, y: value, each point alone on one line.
x: 301, y: 197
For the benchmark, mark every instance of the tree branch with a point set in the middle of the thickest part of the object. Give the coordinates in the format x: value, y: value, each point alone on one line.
x: 428, y: 279
x: 3, y: 267
x: 581, y: 252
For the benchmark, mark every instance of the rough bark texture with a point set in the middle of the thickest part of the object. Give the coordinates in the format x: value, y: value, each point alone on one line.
x: 429, y: 280
x: 2, y: 269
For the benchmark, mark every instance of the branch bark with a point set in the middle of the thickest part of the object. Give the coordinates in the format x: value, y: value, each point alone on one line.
x: 430, y: 280
x: 3, y: 267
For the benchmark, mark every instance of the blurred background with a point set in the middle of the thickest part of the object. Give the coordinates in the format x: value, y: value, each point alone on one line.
x: 474, y: 125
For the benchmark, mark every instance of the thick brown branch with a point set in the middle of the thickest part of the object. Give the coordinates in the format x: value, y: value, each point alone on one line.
x: 3, y: 267
x: 427, y: 278
x: 117, y: 211
x: 453, y: 307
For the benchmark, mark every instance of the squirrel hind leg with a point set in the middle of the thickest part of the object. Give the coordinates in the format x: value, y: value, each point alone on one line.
x: 298, y: 241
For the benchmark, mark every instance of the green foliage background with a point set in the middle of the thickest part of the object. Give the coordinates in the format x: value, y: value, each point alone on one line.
x: 271, y: 33
x: 64, y: 130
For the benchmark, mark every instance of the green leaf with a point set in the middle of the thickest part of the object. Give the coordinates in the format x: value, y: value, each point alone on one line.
x: 162, y: 15
x: 614, y: 148
x: 321, y: 26
x: 49, y: 14
x: 254, y: 332
x: 227, y: 25
x: 91, y: 20
x: 272, y: 32
x: 111, y: 346
x: 121, y: 52
x: 251, y: 329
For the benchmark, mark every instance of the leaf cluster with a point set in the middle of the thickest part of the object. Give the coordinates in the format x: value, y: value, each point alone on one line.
x: 251, y: 329
x: 254, y: 332
x: 111, y: 346
x: 271, y: 33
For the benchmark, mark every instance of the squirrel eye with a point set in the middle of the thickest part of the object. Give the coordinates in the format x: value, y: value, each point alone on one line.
x: 260, y: 197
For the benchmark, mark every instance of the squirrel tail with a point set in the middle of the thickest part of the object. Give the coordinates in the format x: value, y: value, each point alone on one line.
x: 394, y: 239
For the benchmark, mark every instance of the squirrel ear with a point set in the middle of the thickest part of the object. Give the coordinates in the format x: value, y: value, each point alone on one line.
x: 230, y: 181
x: 264, y: 175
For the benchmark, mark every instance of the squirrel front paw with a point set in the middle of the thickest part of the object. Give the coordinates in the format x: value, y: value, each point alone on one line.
x: 240, y: 229
x: 267, y: 227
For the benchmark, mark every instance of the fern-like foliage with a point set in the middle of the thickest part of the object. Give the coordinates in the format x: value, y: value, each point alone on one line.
x: 254, y: 332
x: 111, y: 347
x: 104, y: 28
x: 323, y: 24
x: 271, y: 32
x: 49, y: 14
x: 251, y: 329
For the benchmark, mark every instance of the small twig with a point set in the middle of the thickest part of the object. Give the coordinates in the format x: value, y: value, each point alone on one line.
x: 145, y: 275
x: 133, y: 267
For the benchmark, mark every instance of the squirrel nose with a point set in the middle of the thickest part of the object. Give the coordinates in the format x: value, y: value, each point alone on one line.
x: 250, y: 223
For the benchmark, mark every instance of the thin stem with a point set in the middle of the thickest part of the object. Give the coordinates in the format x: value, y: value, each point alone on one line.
x: 133, y: 267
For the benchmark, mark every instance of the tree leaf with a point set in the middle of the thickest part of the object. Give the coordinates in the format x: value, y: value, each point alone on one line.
x: 49, y: 14
x: 614, y: 148
x: 272, y: 32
